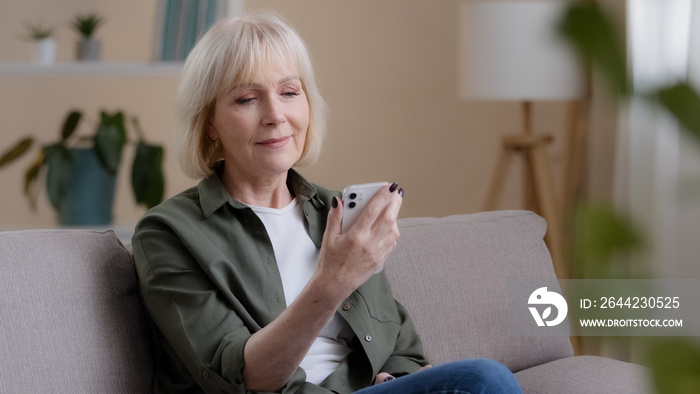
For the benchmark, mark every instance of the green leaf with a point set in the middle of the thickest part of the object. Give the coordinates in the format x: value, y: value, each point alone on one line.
x: 110, y: 138
x: 137, y: 128
x: 70, y: 124
x: 684, y: 103
x: 147, y: 175
x: 593, y: 35
x: 16, y: 151
x: 60, y: 163
x: 31, y: 177
x: 601, y: 232
x: 108, y: 147
x: 676, y: 366
x: 38, y: 31
x: 86, y: 24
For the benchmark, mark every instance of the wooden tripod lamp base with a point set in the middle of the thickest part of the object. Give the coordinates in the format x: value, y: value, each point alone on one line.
x: 534, y: 149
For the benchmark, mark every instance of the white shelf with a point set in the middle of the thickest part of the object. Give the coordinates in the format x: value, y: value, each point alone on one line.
x: 91, y: 68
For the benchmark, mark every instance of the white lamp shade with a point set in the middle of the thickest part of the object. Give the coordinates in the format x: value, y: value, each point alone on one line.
x: 510, y: 50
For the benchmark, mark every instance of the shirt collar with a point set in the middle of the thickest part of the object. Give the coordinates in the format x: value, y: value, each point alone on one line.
x: 213, y: 194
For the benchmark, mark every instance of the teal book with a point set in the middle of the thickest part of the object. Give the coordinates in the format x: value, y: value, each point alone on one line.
x: 184, y: 22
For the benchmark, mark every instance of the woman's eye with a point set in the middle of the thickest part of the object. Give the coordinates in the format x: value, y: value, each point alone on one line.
x: 244, y: 100
x: 290, y: 94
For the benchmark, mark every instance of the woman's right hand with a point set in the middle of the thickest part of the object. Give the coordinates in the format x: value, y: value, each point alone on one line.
x: 348, y: 260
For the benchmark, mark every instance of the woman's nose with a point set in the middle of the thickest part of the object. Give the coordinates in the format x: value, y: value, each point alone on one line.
x: 273, y: 114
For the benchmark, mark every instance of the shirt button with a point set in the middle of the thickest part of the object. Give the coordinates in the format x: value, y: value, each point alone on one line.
x: 205, y: 374
x: 347, y: 307
x: 368, y: 338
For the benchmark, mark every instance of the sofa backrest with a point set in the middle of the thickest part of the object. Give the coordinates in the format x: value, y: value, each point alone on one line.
x: 71, y: 321
x: 70, y: 318
x: 453, y: 276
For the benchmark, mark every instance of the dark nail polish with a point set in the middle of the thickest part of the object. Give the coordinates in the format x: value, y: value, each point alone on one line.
x: 401, y: 192
x: 334, y: 202
x: 393, y: 187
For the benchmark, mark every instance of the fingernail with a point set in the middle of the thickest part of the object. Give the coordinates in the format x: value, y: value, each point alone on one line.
x: 389, y: 378
x: 393, y: 187
x: 334, y: 202
x: 401, y: 192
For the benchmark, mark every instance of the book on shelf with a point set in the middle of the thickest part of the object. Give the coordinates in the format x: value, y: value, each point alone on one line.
x: 180, y: 23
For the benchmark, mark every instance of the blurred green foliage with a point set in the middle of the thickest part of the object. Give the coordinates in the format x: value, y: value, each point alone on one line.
x: 600, y: 235
x: 86, y: 24
x: 592, y: 33
x: 38, y: 31
x: 676, y: 366
x: 683, y: 102
x: 601, y: 231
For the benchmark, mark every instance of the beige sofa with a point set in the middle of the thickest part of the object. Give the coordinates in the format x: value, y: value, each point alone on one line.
x: 71, y: 321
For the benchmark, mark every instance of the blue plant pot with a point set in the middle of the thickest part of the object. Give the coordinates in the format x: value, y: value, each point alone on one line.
x: 90, y: 196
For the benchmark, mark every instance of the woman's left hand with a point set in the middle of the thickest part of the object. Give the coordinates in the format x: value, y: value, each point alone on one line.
x: 385, y: 377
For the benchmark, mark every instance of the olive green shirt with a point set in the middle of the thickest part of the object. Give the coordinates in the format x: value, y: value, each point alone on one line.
x: 209, y: 280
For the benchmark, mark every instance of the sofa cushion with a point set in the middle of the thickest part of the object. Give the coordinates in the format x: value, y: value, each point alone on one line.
x: 586, y: 375
x: 452, y: 275
x: 70, y: 318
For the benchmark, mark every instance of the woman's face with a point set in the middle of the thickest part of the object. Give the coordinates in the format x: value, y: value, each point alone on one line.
x: 262, y: 126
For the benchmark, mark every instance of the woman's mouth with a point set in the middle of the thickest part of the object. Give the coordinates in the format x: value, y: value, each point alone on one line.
x: 275, y: 143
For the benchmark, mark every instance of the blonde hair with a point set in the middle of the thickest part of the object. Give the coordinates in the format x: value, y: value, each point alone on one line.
x: 230, y: 54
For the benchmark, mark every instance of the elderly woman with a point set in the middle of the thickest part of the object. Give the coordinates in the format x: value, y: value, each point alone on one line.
x: 248, y: 280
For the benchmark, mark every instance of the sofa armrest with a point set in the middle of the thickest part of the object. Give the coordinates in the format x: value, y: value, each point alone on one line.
x: 586, y: 375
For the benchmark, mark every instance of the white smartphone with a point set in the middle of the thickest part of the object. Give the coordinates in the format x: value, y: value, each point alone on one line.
x: 355, y: 197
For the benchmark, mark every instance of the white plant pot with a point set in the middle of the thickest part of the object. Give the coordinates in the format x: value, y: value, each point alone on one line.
x: 88, y: 49
x: 45, y: 51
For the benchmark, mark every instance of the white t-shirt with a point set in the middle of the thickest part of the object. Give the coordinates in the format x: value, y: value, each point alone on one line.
x: 297, y: 259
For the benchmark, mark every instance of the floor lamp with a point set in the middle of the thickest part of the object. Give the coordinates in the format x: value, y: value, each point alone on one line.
x: 510, y: 51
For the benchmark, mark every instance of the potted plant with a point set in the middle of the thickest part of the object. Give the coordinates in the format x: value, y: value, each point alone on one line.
x: 88, y: 47
x: 44, y: 51
x: 81, y: 171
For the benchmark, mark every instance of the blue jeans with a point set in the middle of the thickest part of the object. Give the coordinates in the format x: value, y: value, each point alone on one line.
x: 470, y: 376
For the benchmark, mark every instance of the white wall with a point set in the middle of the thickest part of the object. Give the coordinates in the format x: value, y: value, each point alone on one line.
x: 388, y: 70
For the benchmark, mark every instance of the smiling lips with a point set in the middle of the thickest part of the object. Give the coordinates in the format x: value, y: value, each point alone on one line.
x: 274, y: 143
